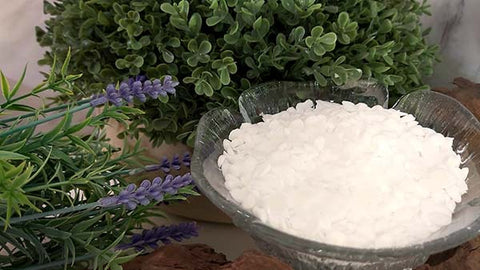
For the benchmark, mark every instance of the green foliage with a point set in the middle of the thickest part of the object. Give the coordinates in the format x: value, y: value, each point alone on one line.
x: 50, y: 182
x: 218, y: 48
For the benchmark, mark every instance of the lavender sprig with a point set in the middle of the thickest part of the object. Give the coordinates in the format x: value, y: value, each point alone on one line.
x: 148, y: 191
x: 135, y: 88
x: 166, y: 165
x: 164, y: 234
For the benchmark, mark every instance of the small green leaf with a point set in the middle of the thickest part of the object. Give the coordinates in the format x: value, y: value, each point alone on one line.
x: 13, y: 147
x: 317, y: 31
x: 340, y: 60
x: 309, y: 41
x: 168, y: 8
x: 122, y: 63
x: 179, y: 22
x: 22, y: 179
x: 20, y: 108
x: 102, y: 19
x: 319, y: 78
x: 64, y: 70
x: 263, y: 28
x: 380, y: 68
x: 289, y: 5
x: 205, y: 47
x: 319, y: 50
x: 52, y: 232
x: 168, y: 56
x: 124, y: 259
x: 191, y: 139
x: 163, y: 99
x: 188, y: 191
x: 224, y: 77
x: 73, y: 77
x: 388, y: 60
x: 84, y: 225
x: 18, y: 84
x: 329, y: 38
x: 214, y: 20
x: 7, y: 155
x: 195, y: 23
x: 79, y: 142
x: 354, y: 74
x: 52, y: 77
x: 343, y: 19
x: 5, y: 86
x: 297, y: 34
x: 138, y: 62
x: 174, y: 42
x: 192, y: 45
x: 229, y: 93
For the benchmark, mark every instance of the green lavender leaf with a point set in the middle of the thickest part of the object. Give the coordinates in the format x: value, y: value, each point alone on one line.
x: 5, y: 86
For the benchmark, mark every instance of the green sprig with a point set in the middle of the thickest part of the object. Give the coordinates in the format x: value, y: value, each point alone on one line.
x: 51, y: 181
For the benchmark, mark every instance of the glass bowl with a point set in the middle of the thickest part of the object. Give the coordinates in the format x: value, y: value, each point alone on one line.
x: 433, y: 110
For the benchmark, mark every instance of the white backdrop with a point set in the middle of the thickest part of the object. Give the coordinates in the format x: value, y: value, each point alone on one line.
x: 18, y: 45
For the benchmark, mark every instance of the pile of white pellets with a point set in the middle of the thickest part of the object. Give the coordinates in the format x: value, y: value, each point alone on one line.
x: 345, y: 174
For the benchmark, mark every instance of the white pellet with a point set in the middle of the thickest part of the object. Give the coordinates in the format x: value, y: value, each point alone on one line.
x: 345, y: 174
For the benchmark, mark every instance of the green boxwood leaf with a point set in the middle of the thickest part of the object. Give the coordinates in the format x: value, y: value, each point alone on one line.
x: 138, y: 62
x: 168, y: 8
x: 122, y: 63
x: 205, y: 47
x: 168, y: 56
x: 343, y: 19
x: 195, y: 23
x: 289, y: 5
x: 214, y: 20
x: 329, y: 38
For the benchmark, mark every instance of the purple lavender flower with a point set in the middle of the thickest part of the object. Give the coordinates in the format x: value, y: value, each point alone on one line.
x: 137, y: 88
x: 171, y: 184
x: 169, y: 85
x: 125, y: 92
x: 112, y: 95
x: 166, y: 165
x: 148, y: 191
x: 127, y: 197
x: 98, y: 100
x: 164, y: 234
x: 187, y: 160
x: 157, y: 87
x: 148, y: 89
x: 138, y: 92
x: 176, y: 164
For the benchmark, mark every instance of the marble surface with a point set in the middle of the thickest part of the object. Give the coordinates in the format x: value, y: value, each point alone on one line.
x: 456, y: 27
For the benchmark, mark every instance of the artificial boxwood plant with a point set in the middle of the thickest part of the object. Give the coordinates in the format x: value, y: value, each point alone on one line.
x: 218, y: 48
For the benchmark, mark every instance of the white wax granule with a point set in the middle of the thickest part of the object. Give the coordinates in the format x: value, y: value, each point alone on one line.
x: 345, y: 174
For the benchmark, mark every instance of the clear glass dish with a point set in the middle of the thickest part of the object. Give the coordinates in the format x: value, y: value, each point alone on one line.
x: 433, y: 110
